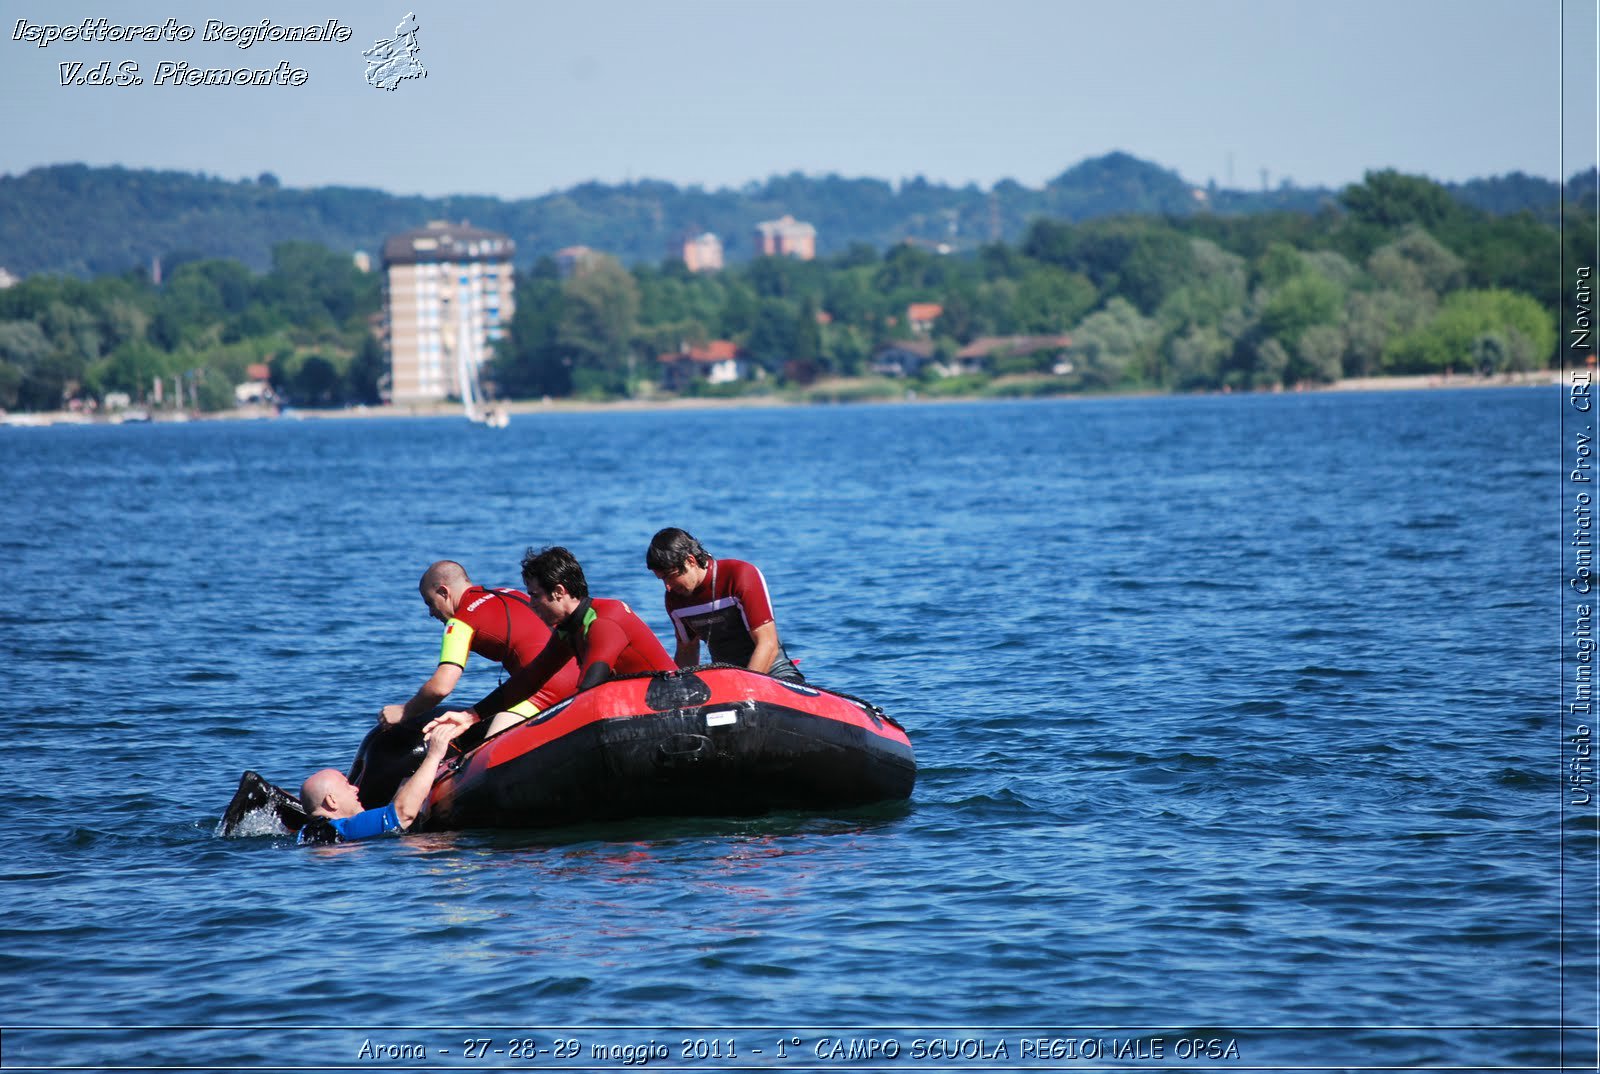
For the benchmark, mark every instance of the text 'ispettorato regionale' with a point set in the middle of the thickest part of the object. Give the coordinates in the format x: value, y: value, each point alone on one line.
x: 177, y: 72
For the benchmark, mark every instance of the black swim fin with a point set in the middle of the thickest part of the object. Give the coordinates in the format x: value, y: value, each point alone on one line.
x: 255, y: 807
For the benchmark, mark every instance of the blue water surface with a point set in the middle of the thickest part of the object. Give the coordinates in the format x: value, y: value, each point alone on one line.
x: 1236, y: 717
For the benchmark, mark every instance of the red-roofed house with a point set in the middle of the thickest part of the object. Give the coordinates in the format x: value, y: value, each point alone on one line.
x: 721, y: 361
x: 256, y: 388
x: 979, y: 355
x: 921, y: 315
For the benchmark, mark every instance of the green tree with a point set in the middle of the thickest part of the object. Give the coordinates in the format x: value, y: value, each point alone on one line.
x: 366, y: 370
x: 316, y: 382
x: 1051, y: 300
x: 1373, y: 318
x: 1113, y: 346
x: 10, y: 381
x: 50, y: 382
x: 1279, y: 264
x: 857, y: 255
x: 739, y: 310
x: 997, y: 307
x: 1332, y: 265
x: 122, y: 320
x: 772, y: 340
x: 531, y: 360
x: 849, y: 297
x: 780, y: 277
x: 1159, y: 260
x: 1305, y: 300
x: 997, y: 261
x: 74, y: 330
x: 131, y: 368
x: 1318, y: 355
x: 1416, y: 262
x: 315, y: 289
x: 909, y: 270
x: 1447, y: 341
x: 1140, y: 260
x: 847, y: 350
x: 1055, y: 242
x: 23, y: 345
x: 212, y: 390
x: 807, y: 334
x: 1195, y: 359
x: 1387, y: 199
x: 600, y: 309
x: 1270, y: 363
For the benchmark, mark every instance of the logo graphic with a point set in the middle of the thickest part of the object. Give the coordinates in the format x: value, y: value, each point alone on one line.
x: 391, y: 62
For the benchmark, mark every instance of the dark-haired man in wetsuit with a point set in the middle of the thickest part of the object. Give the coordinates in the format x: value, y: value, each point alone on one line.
x: 721, y: 601
x: 333, y: 805
x: 602, y: 637
x: 495, y: 623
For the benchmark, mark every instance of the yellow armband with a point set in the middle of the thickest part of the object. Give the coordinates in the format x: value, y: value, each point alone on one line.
x: 457, y: 643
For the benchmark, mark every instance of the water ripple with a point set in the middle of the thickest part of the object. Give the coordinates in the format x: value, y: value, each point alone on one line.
x: 1223, y: 717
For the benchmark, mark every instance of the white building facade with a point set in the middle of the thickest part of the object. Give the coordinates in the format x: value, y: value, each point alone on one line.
x: 448, y: 299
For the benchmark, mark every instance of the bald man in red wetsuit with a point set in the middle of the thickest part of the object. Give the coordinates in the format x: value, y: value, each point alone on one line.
x: 601, y: 637
x: 498, y: 624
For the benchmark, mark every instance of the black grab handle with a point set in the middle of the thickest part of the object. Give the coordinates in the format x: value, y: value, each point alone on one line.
x: 683, y: 750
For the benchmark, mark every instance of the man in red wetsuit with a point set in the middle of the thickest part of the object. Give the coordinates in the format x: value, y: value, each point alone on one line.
x: 723, y: 602
x: 601, y: 637
x: 495, y: 623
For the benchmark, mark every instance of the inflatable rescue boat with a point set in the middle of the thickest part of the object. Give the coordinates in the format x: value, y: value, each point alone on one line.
x: 710, y: 741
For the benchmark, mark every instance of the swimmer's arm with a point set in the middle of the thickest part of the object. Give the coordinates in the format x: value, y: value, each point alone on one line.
x: 413, y: 793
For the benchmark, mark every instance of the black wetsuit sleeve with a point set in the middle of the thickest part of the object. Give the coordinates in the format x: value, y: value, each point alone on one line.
x: 525, y: 683
x: 595, y: 674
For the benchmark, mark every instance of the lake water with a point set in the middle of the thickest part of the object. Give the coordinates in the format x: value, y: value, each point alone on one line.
x: 1239, y: 721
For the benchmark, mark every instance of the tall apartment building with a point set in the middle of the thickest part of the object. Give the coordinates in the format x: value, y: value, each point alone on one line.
x: 786, y: 237
x: 448, y: 298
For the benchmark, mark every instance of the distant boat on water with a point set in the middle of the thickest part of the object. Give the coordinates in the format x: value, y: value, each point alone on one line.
x: 492, y: 417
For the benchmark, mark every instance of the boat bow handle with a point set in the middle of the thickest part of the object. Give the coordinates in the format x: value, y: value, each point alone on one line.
x: 683, y: 750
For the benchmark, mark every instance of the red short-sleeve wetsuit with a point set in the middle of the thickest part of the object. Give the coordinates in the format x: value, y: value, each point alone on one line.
x: 498, y: 624
x: 730, y: 602
x: 602, y: 636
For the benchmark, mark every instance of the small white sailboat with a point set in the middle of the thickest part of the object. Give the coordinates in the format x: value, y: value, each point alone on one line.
x: 495, y: 416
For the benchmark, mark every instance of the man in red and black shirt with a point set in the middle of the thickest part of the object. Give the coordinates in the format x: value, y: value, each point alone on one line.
x: 598, y: 637
x: 722, y: 602
x: 495, y: 623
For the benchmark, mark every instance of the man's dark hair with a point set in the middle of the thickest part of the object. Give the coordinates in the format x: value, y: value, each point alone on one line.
x: 555, y: 566
x: 670, y: 547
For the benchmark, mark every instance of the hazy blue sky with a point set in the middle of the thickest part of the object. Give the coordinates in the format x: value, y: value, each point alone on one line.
x: 525, y: 97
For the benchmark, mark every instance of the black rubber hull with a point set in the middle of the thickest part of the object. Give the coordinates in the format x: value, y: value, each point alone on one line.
x: 674, y: 765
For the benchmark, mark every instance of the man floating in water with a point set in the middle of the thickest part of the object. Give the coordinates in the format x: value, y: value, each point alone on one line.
x: 333, y: 805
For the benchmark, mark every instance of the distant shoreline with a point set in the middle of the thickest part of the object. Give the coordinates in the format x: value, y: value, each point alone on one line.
x: 818, y: 393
